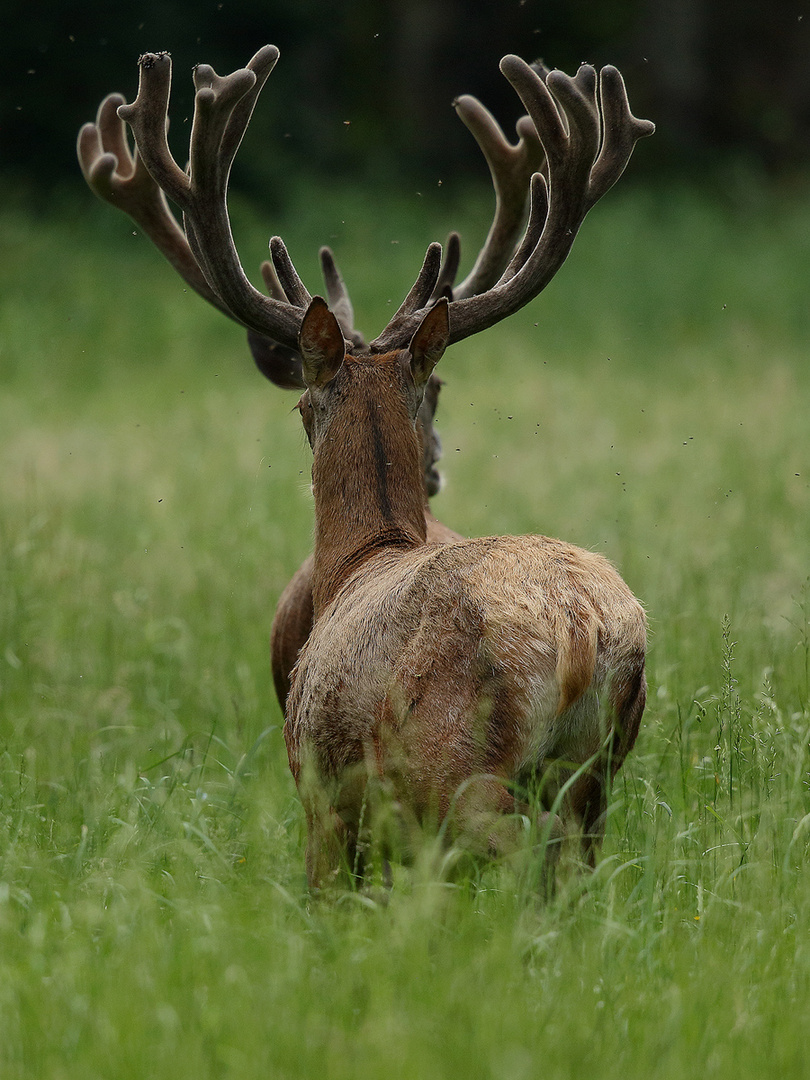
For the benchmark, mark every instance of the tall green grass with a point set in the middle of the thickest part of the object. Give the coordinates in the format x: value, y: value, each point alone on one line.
x: 154, y: 500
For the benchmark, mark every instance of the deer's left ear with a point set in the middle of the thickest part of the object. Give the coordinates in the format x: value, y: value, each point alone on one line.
x: 321, y: 344
x: 429, y: 342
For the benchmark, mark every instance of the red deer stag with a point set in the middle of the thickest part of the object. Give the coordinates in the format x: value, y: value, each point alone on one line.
x: 462, y: 681
x: 119, y: 176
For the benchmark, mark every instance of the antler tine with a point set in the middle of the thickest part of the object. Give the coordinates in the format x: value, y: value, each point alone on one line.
x: 223, y: 106
x: 565, y: 116
x: 425, y: 282
x: 620, y: 130
x: 120, y: 178
x: 538, y: 213
x: 222, y: 109
x: 397, y: 332
x: 296, y: 292
x: 261, y: 64
x: 271, y: 282
x: 147, y: 115
x: 588, y: 140
x: 336, y: 291
x: 511, y: 167
x: 106, y: 137
x: 339, y: 300
x: 448, y: 269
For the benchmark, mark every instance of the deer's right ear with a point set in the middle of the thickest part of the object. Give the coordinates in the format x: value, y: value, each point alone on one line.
x: 320, y: 344
x: 429, y: 342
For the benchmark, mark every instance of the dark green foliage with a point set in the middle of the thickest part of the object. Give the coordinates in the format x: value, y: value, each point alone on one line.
x: 364, y: 89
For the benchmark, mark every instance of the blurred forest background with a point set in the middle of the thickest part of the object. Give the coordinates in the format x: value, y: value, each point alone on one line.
x: 364, y: 87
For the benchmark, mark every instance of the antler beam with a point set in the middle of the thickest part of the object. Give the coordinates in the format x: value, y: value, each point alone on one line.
x: 222, y: 111
x: 588, y: 134
x: 511, y: 168
x: 120, y: 178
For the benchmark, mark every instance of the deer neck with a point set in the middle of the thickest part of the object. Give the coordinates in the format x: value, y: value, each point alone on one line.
x: 369, y: 492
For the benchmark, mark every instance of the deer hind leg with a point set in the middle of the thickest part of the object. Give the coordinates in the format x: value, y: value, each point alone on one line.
x: 350, y: 829
x: 587, y: 802
x: 336, y: 855
x: 488, y: 821
x: 589, y: 793
x: 628, y: 698
x: 330, y: 847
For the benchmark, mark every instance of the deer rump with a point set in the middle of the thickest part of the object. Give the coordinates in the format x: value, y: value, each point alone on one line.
x: 452, y: 676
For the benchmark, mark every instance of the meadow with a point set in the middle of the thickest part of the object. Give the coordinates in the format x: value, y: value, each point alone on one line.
x: 652, y: 405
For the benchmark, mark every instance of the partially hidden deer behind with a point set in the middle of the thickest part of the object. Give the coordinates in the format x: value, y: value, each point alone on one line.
x: 473, y: 684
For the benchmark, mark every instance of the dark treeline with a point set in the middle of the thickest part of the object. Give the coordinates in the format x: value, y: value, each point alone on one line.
x: 367, y: 85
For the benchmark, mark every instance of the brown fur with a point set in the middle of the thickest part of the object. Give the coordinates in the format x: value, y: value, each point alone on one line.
x: 445, y: 677
x: 292, y: 622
